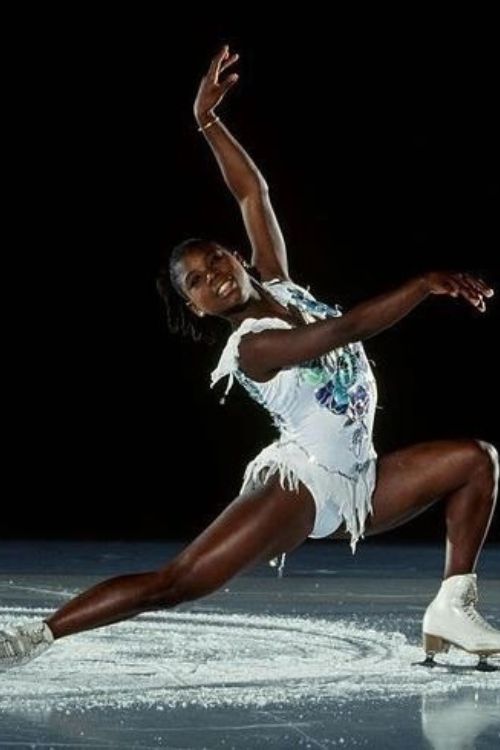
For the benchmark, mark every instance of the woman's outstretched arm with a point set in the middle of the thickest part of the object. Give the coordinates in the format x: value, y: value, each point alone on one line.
x: 240, y: 173
x: 262, y: 354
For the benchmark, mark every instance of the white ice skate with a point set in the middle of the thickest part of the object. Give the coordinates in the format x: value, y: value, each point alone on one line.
x: 21, y: 643
x: 451, y: 619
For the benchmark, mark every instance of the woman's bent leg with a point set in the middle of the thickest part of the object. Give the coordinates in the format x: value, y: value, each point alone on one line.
x: 461, y: 473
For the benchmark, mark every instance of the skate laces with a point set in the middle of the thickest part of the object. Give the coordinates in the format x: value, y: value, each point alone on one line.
x: 18, y: 640
x: 9, y: 644
x: 469, y: 600
x: 7, y: 648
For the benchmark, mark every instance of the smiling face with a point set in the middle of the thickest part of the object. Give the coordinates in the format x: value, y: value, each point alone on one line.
x: 212, y: 279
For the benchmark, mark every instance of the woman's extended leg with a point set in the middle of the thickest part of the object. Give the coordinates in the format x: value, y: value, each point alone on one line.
x: 462, y: 473
x: 254, y: 527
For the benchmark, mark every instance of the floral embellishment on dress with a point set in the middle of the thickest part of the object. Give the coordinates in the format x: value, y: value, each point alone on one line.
x: 359, y: 436
x: 358, y: 404
x: 315, y: 372
x: 334, y: 378
x: 334, y: 397
x: 347, y: 367
x: 303, y: 302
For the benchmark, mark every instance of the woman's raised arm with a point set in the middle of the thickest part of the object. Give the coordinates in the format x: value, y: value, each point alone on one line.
x: 240, y: 173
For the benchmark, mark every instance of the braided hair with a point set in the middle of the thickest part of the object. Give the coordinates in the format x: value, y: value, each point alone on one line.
x: 179, y: 319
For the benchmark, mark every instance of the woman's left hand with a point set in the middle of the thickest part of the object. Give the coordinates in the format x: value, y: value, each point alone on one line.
x: 211, y: 91
x: 472, y: 288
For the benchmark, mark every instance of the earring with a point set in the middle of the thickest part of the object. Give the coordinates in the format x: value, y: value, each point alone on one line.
x: 200, y: 313
x: 244, y: 263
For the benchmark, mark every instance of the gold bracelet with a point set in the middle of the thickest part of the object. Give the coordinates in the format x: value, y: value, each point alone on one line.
x: 205, y: 127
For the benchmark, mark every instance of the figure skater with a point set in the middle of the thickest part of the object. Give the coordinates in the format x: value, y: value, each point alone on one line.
x: 304, y: 362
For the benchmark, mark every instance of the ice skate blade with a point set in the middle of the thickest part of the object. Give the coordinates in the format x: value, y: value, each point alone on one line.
x: 434, y: 644
x: 455, y: 668
x: 428, y: 662
x: 483, y: 666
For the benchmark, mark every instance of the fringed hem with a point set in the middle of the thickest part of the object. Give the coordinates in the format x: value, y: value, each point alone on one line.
x: 265, y: 464
x: 358, y: 503
x: 351, y: 497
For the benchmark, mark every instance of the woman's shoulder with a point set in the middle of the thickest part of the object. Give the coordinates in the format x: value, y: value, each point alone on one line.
x: 228, y: 363
x: 255, y: 325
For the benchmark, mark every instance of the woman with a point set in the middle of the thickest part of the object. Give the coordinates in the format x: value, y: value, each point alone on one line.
x: 304, y: 361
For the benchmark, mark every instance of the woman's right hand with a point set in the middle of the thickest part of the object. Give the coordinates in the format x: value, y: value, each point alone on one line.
x: 211, y: 91
x: 470, y: 287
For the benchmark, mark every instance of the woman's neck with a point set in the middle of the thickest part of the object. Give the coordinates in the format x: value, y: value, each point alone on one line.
x: 261, y: 304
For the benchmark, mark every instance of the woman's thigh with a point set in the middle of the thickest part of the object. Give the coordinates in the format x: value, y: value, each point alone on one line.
x: 254, y: 527
x: 412, y: 479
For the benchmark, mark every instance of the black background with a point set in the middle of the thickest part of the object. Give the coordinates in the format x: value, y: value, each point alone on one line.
x: 379, y: 140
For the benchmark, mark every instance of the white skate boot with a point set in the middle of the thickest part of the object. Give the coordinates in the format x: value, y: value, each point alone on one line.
x: 21, y: 643
x: 451, y: 619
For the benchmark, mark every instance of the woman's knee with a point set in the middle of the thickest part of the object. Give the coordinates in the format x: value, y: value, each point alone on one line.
x: 167, y: 586
x: 486, y: 464
x: 183, y: 581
